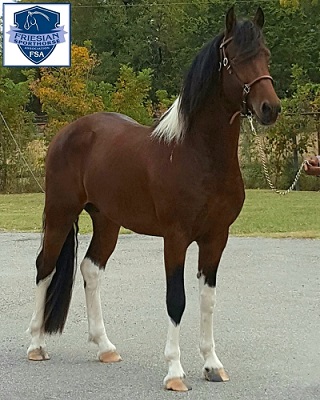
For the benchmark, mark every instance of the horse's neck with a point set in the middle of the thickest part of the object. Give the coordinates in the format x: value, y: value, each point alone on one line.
x: 211, y: 127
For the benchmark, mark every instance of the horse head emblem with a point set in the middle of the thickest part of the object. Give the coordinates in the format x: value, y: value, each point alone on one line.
x: 32, y: 21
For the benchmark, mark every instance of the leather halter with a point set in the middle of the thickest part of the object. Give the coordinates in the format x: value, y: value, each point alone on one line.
x: 226, y: 63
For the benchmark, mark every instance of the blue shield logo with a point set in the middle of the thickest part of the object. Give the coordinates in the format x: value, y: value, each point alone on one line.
x: 37, y: 32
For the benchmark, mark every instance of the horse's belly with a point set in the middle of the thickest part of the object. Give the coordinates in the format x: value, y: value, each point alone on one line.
x: 133, y: 210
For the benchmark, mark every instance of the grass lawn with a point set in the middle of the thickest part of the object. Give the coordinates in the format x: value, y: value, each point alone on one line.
x: 268, y: 214
x: 264, y: 214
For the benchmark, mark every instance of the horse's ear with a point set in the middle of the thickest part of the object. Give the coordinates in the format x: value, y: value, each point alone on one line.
x: 259, y: 18
x: 230, y: 20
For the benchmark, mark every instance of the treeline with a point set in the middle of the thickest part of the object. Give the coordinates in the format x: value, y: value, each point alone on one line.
x: 130, y: 56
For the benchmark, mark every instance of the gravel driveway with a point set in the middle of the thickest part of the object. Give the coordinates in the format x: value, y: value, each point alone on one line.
x: 267, y: 324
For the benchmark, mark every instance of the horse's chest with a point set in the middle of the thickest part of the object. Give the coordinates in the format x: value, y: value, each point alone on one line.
x: 221, y: 206
x: 225, y: 205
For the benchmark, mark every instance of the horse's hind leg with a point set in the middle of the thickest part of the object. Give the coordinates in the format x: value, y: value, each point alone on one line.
x: 58, y: 235
x: 105, y: 234
x: 37, y: 349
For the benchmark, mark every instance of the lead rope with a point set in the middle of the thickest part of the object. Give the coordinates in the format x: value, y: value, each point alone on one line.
x: 264, y: 163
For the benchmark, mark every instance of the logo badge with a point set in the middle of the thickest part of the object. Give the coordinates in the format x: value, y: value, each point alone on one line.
x: 37, y: 32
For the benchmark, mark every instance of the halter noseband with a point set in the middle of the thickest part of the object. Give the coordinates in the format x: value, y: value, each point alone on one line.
x: 225, y: 63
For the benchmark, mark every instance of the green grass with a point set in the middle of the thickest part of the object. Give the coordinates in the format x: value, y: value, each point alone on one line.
x: 264, y: 214
x: 23, y: 213
x: 268, y: 214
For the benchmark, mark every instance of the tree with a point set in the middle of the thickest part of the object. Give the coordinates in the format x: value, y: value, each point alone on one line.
x: 64, y: 92
x: 298, y: 3
x: 293, y: 134
x: 14, y: 98
x: 131, y: 95
x: 69, y: 93
x: 142, y: 35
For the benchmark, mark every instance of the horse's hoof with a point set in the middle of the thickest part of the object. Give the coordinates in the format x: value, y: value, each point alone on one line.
x: 216, y: 375
x: 38, y: 355
x: 110, y: 357
x: 177, y: 385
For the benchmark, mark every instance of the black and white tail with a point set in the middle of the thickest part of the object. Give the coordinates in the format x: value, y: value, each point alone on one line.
x: 59, y: 292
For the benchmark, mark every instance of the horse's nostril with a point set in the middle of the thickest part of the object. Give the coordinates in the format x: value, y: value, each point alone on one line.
x: 269, y: 112
x: 266, y: 108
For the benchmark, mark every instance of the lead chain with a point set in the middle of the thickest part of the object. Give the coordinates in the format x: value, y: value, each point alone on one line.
x: 264, y: 164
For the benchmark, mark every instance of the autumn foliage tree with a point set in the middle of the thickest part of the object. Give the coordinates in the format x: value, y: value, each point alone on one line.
x: 65, y: 92
x: 298, y: 3
x: 69, y: 93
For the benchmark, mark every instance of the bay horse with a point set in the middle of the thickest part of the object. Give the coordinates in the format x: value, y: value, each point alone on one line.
x: 179, y: 180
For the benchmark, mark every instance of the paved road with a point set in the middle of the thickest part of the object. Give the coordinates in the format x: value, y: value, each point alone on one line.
x: 267, y: 324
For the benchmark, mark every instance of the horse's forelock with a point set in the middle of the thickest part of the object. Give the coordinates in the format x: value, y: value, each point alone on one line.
x: 248, y: 39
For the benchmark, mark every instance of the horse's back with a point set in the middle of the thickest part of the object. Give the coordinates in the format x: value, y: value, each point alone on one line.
x: 95, y: 132
x: 102, y: 123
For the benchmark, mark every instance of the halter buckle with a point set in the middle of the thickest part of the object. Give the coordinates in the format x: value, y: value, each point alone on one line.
x: 246, y: 89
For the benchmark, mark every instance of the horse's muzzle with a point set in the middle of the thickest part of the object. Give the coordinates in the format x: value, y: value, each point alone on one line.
x: 268, y: 113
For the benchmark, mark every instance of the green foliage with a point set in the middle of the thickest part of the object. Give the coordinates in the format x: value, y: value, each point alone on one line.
x: 253, y: 176
x: 165, y: 36
x: 65, y: 92
x: 131, y: 94
x: 298, y: 3
x: 14, y: 98
x: 131, y: 56
x: 164, y: 101
x: 143, y: 35
x: 289, y: 139
x: 306, y: 96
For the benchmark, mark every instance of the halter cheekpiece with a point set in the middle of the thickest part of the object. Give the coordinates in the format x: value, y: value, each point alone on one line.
x: 225, y: 63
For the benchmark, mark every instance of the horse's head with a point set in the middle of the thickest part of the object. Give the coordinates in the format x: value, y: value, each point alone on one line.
x: 30, y: 21
x: 245, y: 68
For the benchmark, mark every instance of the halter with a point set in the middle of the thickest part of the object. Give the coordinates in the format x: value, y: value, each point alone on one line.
x: 246, y: 86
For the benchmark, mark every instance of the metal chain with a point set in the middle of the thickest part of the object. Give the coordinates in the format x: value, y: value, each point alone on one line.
x: 264, y: 164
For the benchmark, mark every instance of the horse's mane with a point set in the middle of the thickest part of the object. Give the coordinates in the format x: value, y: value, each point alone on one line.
x: 202, y: 79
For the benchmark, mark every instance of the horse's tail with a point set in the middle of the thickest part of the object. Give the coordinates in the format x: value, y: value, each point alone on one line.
x: 59, y: 292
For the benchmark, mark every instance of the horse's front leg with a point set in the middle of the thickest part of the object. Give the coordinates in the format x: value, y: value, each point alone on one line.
x: 210, y: 251
x: 174, y: 253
